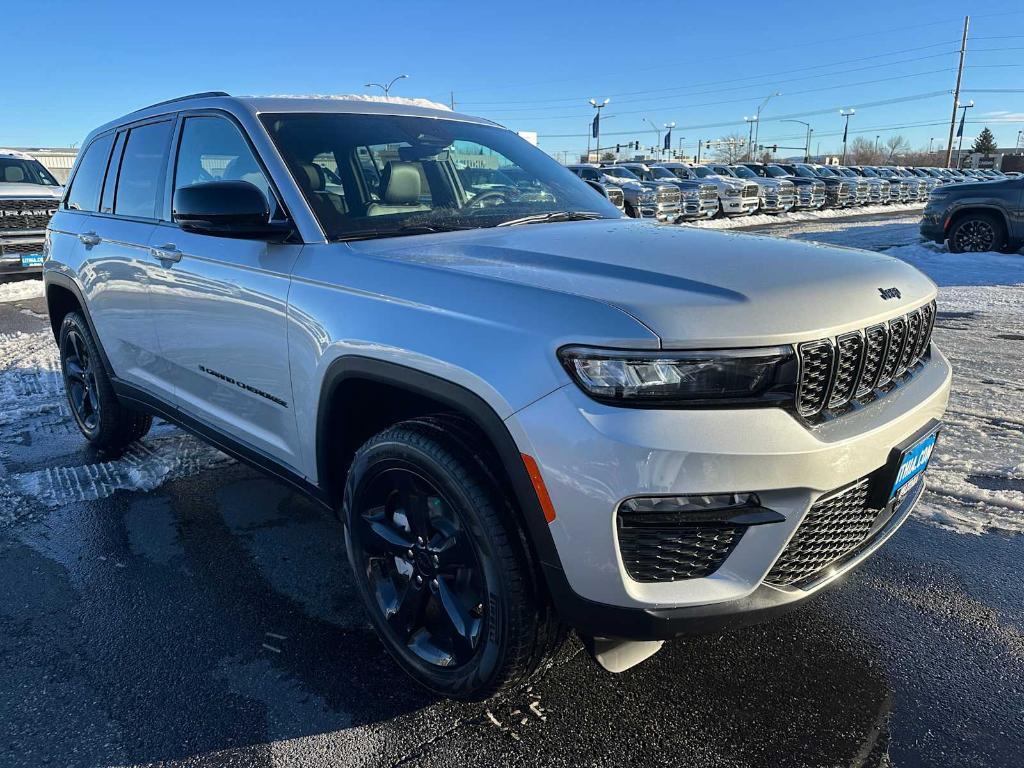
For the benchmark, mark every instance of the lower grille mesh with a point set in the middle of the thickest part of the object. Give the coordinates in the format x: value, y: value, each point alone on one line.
x: 832, y: 529
x: 658, y: 548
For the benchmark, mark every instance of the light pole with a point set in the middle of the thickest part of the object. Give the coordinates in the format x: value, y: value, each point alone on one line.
x: 758, y: 121
x: 386, y: 88
x: 807, y: 143
x: 847, y: 113
x: 876, y: 143
x: 930, y: 144
x: 1020, y: 133
x: 657, y: 130
x: 963, y: 121
x: 597, y: 124
x: 750, y: 137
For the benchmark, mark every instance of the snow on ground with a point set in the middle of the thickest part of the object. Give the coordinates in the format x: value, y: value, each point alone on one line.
x: 43, y: 458
x: 23, y: 289
x: 763, y: 219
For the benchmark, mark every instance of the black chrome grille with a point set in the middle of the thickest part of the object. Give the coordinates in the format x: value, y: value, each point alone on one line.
x: 20, y: 248
x: 875, y: 340
x: 833, y: 528
x: 25, y: 214
x: 849, y: 356
x: 659, y: 548
x: 615, y: 196
x: 816, y: 358
x: 834, y: 373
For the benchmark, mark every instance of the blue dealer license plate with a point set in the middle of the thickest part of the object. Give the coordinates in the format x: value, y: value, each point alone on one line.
x: 913, y: 462
x: 32, y: 260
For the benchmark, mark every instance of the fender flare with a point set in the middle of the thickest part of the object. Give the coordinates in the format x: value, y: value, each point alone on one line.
x: 462, y: 401
x: 959, y: 209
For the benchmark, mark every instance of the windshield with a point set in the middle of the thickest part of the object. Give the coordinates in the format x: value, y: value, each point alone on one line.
x: 702, y: 172
x: 823, y: 171
x: 869, y: 172
x: 15, y: 170
x: 408, y: 175
x: 743, y: 172
x: 662, y: 173
x: 775, y: 171
x: 806, y: 172
x: 622, y: 173
x: 723, y: 170
x: 682, y: 172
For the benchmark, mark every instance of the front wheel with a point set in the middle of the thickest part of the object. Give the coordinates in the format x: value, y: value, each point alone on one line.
x: 440, y: 564
x: 105, y: 422
x: 977, y: 233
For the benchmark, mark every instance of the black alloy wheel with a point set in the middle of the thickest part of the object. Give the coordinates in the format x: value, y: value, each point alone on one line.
x: 80, y: 382
x: 421, y: 567
x: 976, y: 234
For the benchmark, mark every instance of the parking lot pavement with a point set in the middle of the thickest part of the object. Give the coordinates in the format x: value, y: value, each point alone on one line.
x: 174, y: 607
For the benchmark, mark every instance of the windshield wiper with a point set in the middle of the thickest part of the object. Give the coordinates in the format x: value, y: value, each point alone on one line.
x: 405, y: 229
x: 542, y: 218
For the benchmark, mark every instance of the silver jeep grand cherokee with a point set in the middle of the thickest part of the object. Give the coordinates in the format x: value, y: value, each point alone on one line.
x: 529, y: 412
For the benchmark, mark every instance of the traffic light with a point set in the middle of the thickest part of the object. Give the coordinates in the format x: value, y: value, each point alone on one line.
x: 618, y: 148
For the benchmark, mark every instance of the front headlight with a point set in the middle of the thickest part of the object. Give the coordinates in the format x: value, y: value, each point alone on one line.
x: 763, y: 375
x: 732, y: 191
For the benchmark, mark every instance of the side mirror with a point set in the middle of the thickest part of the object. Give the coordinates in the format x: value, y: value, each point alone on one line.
x: 227, y: 209
x: 596, y: 187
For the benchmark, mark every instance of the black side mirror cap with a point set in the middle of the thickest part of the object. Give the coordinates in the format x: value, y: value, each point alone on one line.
x: 227, y: 209
x: 596, y: 187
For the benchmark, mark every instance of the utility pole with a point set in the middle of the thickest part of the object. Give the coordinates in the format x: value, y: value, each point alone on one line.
x: 750, y: 137
x: 1019, y: 134
x: 956, y: 92
x: 930, y: 144
x: 764, y: 104
x: 847, y: 113
x: 807, y: 143
x: 452, y: 100
x: 701, y: 142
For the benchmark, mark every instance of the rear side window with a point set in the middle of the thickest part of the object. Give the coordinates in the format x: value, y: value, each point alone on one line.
x: 145, y: 156
x: 107, y: 201
x: 84, y: 194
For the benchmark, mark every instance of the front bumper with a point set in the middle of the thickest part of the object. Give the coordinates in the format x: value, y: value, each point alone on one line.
x: 933, y: 224
x: 739, y: 205
x: 698, y: 208
x: 809, y: 198
x: 15, y: 249
x: 593, y: 456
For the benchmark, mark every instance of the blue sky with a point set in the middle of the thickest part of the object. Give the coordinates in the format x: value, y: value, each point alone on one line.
x: 532, y: 66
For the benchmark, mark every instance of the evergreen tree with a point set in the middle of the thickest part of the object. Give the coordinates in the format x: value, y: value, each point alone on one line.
x: 985, y: 143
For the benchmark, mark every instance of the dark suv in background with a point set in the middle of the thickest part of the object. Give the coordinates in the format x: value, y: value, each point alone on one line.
x: 976, y: 216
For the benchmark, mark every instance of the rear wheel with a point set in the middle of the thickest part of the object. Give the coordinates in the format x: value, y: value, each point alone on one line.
x: 976, y: 233
x: 440, y: 564
x: 105, y: 422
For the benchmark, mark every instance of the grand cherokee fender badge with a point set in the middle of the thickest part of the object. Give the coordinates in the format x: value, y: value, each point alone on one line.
x: 890, y: 293
x: 242, y: 385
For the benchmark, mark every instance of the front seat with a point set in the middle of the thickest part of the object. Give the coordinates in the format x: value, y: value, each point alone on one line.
x: 401, y: 188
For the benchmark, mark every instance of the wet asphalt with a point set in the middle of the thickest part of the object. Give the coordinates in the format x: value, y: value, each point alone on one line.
x: 211, y: 621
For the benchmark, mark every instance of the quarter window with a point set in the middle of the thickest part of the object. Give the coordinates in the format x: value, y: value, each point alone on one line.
x: 84, y: 194
x: 212, y: 149
x: 138, y: 184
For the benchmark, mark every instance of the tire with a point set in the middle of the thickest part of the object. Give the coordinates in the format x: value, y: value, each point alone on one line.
x: 467, y: 626
x: 976, y: 233
x: 106, y: 423
x: 631, y: 211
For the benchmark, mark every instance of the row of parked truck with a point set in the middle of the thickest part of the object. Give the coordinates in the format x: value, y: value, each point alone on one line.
x: 674, y: 192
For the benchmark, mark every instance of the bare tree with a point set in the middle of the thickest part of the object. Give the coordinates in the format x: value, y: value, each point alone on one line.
x: 896, y: 145
x: 730, y: 149
x: 862, y: 152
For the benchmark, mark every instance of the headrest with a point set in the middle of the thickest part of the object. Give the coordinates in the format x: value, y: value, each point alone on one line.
x: 14, y: 173
x: 314, y: 176
x: 401, y: 184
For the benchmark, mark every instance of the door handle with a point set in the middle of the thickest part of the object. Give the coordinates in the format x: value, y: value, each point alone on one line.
x: 167, y: 252
x: 90, y: 238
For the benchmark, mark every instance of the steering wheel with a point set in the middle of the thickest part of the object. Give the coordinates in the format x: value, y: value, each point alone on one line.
x: 478, y: 201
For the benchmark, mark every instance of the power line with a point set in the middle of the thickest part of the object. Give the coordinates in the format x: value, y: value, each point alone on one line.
x: 748, y: 77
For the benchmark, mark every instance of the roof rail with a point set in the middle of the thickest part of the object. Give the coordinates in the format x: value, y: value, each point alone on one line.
x: 200, y: 95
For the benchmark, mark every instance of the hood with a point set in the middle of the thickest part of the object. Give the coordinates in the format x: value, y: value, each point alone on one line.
x: 21, y: 191
x: 983, y: 187
x: 691, y: 287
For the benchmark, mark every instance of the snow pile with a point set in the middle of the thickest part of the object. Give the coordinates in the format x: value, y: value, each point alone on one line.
x: 21, y: 290
x: 963, y: 269
x: 409, y: 102
x: 763, y: 219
